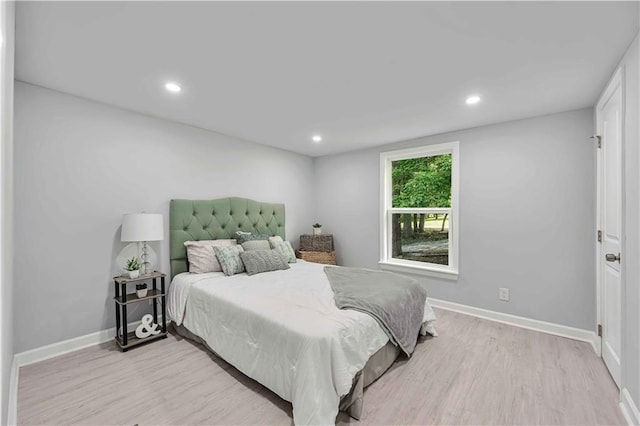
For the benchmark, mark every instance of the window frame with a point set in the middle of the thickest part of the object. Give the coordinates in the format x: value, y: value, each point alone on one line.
x: 386, y: 210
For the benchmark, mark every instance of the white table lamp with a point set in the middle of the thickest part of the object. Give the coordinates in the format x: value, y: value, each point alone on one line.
x: 142, y: 227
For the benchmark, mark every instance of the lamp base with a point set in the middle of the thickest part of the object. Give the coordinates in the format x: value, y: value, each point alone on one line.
x: 145, y: 270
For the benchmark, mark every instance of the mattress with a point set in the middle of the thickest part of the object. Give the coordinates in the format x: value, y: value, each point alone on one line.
x: 282, y: 329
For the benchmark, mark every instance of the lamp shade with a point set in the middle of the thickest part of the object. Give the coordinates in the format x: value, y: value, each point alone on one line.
x: 142, y: 227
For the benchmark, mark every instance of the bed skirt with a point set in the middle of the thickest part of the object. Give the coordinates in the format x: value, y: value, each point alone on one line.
x: 352, y: 403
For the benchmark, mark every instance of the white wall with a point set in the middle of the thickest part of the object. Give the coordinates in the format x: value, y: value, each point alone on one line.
x: 527, y: 215
x: 80, y: 165
x: 7, y: 24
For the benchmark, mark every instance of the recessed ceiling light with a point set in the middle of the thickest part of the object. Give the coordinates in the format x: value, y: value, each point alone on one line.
x: 317, y: 138
x: 172, y: 87
x: 472, y: 100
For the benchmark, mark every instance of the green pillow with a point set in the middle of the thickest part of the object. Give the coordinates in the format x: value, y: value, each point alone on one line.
x: 284, y: 247
x: 229, y: 258
x: 285, y: 250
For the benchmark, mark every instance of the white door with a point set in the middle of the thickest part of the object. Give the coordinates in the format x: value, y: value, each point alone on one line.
x: 609, y: 128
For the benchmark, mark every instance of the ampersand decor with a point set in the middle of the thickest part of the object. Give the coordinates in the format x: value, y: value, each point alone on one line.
x: 147, y: 327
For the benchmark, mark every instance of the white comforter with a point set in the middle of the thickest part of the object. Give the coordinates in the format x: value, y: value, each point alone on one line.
x: 284, y: 330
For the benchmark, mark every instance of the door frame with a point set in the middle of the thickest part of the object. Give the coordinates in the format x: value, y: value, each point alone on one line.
x: 616, y: 81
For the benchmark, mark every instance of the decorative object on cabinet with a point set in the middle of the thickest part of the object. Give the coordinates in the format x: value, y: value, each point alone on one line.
x: 147, y: 327
x: 143, y: 227
x: 133, y: 267
x: 141, y: 290
x: 317, y: 229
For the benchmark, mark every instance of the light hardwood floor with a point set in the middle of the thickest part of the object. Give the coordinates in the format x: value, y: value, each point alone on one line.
x: 476, y: 372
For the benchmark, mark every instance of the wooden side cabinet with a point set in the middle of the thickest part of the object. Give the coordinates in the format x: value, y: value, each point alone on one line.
x: 317, y: 248
x: 326, y: 257
x: 123, y: 299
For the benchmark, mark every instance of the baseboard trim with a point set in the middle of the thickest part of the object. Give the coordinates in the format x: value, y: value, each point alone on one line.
x: 522, y: 322
x: 12, y: 404
x: 629, y: 409
x: 50, y: 351
x: 66, y: 346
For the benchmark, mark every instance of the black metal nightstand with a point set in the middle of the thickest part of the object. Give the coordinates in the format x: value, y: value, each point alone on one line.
x: 122, y: 299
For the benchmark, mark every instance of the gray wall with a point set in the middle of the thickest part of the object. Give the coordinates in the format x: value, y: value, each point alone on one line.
x: 631, y: 212
x: 527, y: 215
x: 6, y: 196
x: 80, y: 165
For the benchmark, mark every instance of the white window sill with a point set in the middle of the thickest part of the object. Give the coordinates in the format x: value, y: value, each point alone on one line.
x: 427, y: 271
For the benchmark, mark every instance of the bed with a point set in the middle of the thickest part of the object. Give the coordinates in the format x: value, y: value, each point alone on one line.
x: 280, y: 328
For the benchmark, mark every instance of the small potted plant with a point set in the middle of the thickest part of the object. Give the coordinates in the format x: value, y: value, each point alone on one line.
x: 141, y: 290
x: 133, y: 267
x: 317, y: 229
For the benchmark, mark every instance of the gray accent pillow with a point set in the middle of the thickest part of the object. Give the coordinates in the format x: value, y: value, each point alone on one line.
x: 258, y: 261
x: 256, y: 245
x: 229, y: 258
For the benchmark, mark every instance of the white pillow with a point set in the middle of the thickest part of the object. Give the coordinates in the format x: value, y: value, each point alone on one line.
x: 202, y: 257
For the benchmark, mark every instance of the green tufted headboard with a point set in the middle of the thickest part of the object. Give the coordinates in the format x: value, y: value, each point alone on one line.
x: 194, y: 220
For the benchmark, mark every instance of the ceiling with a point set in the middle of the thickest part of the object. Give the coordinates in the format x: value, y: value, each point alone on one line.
x: 358, y: 73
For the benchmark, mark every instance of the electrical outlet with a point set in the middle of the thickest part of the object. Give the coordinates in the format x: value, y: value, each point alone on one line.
x: 504, y: 294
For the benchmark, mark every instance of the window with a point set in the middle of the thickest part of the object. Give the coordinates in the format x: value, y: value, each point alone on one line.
x: 419, y: 210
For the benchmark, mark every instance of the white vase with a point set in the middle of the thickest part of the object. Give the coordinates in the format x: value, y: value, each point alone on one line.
x: 317, y: 231
x: 134, y: 274
x: 141, y: 293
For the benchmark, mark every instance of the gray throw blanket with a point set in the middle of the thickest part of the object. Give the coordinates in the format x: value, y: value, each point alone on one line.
x: 395, y: 301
